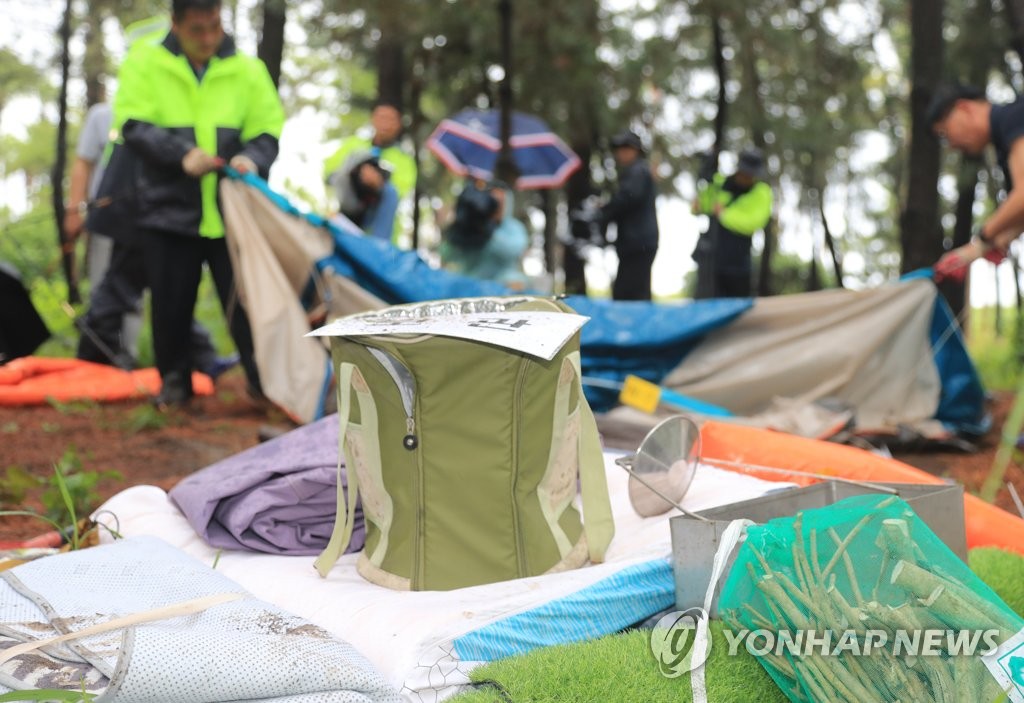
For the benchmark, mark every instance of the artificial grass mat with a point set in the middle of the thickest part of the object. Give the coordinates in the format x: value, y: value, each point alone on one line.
x: 1003, y: 571
x: 621, y: 667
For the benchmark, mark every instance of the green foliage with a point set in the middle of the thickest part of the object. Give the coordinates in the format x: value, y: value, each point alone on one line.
x: 1003, y: 572
x: 996, y: 356
x: 72, y: 492
x: 75, y: 407
x: 34, y: 156
x: 145, y: 418
x: 580, y: 672
x: 15, y: 483
x: 18, y: 78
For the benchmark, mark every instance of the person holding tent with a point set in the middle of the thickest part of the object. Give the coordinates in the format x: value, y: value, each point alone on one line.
x: 737, y: 206
x: 632, y: 208
x: 962, y: 117
x: 485, y: 240
x: 400, y: 168
x: 186, y: 107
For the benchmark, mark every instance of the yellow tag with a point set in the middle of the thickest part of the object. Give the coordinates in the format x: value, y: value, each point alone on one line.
x: 640, y: 394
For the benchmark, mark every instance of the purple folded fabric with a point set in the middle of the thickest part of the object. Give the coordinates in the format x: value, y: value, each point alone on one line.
x: 278, y: 497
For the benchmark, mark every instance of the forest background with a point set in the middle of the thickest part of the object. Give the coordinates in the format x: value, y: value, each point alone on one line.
x: 833, y: 91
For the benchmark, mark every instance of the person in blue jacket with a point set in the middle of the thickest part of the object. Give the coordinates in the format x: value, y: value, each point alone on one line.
x: 486, y: 241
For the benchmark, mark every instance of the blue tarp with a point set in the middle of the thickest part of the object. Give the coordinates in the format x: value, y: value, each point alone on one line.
x: 621, y: 338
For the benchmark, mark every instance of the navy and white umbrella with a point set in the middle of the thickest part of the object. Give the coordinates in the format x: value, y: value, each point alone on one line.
x: 468, y: 144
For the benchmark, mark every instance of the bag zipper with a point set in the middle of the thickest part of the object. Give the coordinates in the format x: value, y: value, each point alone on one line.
x: 406, y: 384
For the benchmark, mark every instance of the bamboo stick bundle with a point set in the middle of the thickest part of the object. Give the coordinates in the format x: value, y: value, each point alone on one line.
x: 815, y: 585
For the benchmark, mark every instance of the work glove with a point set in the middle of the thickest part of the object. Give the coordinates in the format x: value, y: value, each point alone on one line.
x: 953, y: 266
x: 243, y: 164
x: 198, y: 163
x: 995, y: 255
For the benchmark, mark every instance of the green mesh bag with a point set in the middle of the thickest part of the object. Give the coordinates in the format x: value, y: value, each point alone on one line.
x: 860, y: 601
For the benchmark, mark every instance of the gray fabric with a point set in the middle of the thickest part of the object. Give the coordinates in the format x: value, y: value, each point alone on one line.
x: 278, y: 497
x: 93, y: 140
x: 242, y: 650
x: 869, y: 349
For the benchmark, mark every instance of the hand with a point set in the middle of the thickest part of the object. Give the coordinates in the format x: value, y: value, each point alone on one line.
x: 371, y: 177
x: 954, y: 264
x: 198, y: 163
x: 73, y: 222
x: 243, y: 164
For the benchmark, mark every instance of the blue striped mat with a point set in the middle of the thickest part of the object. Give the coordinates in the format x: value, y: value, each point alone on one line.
x: 603, y: 608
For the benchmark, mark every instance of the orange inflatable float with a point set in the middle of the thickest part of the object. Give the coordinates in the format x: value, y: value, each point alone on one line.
x: 987, y: 525
x: 34, y: 380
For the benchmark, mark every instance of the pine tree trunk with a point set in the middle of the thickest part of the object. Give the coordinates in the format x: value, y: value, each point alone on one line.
x: 390, y: 57
x: 830, y: 242
x: 271, y: 46
x: 920, y: 231
x: 94, y: 63
x: 67, y: 256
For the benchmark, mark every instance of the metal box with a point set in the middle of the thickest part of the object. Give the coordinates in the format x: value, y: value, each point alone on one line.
x: 694, y: 542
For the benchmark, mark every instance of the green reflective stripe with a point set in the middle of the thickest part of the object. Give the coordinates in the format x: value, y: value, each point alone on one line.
x: 152, y: 30
x: 598, y: 523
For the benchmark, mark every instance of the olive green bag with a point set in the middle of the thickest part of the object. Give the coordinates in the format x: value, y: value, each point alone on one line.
x: 466, y: 455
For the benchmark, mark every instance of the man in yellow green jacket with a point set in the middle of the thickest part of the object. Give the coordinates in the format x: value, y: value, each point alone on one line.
x: 186, y: 106
x: 384, y: 148
x: 737, y: 207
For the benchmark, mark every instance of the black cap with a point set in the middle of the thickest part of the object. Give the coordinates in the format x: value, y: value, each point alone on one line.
x: 751, y: 161
x: 627, y: 138
x: 945, y: 98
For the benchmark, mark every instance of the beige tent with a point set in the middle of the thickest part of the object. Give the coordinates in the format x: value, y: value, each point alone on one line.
x: 273, y: 254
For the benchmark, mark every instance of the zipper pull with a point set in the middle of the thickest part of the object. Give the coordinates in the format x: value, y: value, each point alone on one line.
x: 410, y: 441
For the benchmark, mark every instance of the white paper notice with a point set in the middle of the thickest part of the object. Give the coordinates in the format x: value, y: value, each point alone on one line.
x: 531, y: 332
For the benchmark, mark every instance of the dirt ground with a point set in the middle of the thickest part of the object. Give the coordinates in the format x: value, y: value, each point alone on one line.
x: 147, y: 448
x: 131, y: 438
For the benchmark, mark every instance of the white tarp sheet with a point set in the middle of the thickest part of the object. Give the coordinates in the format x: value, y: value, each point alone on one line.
x: 426, y: 642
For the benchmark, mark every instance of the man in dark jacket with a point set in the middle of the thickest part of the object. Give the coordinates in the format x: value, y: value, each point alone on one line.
x: 185, y: 107
x: 962, y: 117
x: 632, y: 209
